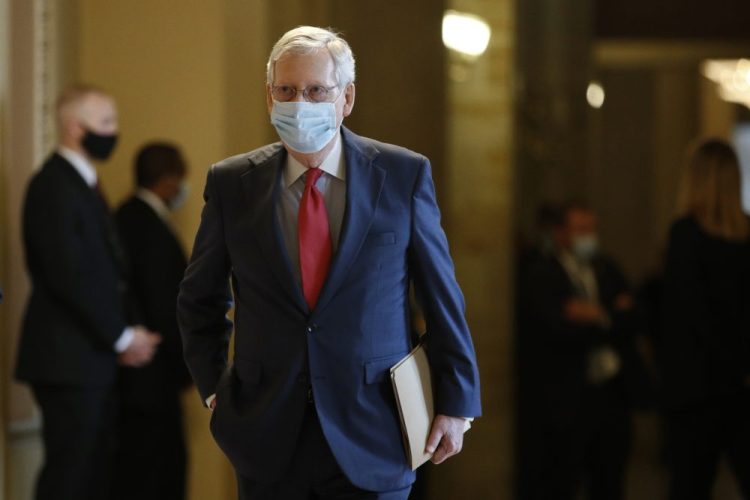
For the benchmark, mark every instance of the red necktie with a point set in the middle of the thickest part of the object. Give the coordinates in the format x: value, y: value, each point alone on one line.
x: 314, y: 239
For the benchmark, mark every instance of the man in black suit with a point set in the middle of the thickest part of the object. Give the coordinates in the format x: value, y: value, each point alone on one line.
x: 76, y: 325
x: 151, y: 444
x: 580, y: 365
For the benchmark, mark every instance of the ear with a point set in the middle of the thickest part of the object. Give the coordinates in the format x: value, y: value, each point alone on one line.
x: 269, y: 98
x: 349, y: 94
x: 74, y: 128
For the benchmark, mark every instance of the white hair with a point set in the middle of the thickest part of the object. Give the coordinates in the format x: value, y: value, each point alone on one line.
x: 71, y: 104
x: 307, y: 39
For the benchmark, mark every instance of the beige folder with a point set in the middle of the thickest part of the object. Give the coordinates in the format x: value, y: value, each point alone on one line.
x: 412, y: 385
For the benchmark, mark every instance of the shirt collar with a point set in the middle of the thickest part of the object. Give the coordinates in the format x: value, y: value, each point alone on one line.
x: 333, y: 165
x: 153, y: 201
x: 84, y: 167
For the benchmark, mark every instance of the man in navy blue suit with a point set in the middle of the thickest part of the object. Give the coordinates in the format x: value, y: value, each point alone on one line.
x: 320, y: 236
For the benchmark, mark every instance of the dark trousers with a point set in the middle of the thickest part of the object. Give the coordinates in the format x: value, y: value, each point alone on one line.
x: 699, y: 437
x: 151, y: 457
x: 78, y: 436
x: 588, y: 450
x: 313, y: 474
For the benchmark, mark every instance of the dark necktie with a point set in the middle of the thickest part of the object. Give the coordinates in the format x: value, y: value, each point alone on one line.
x: 315, y: 247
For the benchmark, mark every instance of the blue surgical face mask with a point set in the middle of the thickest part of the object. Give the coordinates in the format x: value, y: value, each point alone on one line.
x: 179, y: 198
x: 304, y: 126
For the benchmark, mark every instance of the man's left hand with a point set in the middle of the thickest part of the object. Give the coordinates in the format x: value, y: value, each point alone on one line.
x: 446, y: 438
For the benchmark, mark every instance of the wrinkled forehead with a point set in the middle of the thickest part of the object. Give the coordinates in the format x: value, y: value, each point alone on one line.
x: 313, y: 66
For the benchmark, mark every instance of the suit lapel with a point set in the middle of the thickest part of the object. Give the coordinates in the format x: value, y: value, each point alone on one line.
x: 364, y: 182
x: 260, y: 185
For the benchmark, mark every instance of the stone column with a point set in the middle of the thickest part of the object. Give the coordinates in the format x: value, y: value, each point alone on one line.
x: 479, y: 187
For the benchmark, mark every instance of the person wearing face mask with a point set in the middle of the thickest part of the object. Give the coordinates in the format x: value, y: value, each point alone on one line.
x: 321, y: 234
x: 78, y: 323
x: 150, y: 430
x: 585, y: 371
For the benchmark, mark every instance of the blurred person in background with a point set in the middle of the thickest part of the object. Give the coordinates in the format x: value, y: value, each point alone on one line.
x: 151, y: 444
x: 77, y: 323
x: 706, y: 327
x: 581, y: 365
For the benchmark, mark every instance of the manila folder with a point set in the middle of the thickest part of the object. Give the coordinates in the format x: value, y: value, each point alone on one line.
x: 412, y: 385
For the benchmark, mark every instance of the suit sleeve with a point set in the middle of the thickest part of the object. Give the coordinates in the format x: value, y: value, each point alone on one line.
x: 205, y: 298
x: 59, y: 242
x: 450, y: 348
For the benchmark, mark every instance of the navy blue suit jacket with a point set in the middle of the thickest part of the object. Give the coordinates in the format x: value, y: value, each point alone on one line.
x: 342, y: 349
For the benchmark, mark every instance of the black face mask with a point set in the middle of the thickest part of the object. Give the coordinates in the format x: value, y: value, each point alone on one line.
x: 99, y: 146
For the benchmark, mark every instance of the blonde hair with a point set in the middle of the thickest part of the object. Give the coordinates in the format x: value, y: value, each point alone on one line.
x: 711, y: 190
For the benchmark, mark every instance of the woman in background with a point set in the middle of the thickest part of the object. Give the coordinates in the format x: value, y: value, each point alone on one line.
x: 706, y: 334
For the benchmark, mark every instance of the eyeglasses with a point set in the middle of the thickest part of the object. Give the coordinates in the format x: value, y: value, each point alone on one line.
x: 313, y: 93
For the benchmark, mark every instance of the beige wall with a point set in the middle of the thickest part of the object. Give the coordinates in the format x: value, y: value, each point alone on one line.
x: 19, y: 154
x: 4, y: 39
x: 164, y: 64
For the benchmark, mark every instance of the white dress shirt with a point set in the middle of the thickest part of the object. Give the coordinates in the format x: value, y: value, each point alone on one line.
x: 87, y: 171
